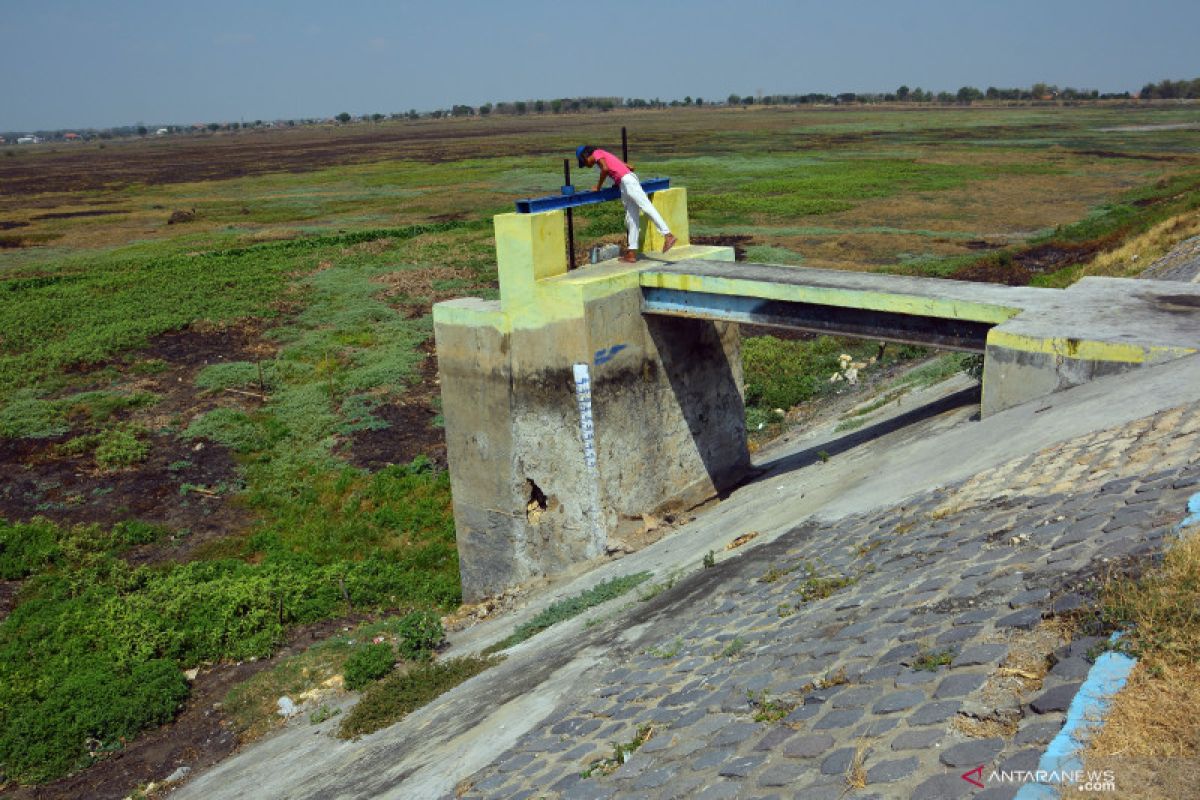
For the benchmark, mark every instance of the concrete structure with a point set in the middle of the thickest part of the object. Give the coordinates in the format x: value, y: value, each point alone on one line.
x: 1036, y: 341
x: 582, y: 400
x: 568, y: 413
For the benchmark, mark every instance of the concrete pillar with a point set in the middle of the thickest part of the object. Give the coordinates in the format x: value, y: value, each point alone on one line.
x: 530, y: 500
x: 672, y: 205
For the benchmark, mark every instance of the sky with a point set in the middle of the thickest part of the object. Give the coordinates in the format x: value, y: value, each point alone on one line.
x: 105, y: 63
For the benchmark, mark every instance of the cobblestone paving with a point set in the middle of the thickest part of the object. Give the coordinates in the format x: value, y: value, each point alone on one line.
x: 881, y: 655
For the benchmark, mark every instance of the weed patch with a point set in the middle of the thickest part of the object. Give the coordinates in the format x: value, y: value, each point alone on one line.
x: 735, y: 647
x: 27, y: 416
x: 402, y: 692
x: 621, y: 753
x: 817, y: 587
x: 252, y: 704
x: 767, y: 709
x: 570, y: 607
x: 30, y: 547
x: 930, y: 660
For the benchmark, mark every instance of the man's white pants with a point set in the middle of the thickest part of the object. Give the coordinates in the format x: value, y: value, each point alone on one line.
x: 635, y: 200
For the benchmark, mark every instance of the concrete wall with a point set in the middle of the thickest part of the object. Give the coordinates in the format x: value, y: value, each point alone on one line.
x: 666, y: 404
x: 1016, y: 375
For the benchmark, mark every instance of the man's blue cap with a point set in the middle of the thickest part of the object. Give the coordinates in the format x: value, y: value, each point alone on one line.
x: 579, y: 155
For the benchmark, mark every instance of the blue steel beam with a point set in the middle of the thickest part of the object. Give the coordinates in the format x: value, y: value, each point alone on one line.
x: 571, y: 199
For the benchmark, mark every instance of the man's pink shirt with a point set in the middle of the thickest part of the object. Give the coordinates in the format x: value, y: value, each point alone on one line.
x: 609, y: 163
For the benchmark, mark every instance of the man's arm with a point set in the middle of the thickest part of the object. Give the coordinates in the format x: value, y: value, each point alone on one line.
x: 603, y: 175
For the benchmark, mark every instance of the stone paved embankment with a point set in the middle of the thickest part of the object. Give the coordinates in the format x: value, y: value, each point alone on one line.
x: 879, y: 655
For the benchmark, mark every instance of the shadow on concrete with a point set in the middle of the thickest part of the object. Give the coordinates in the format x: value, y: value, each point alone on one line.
x: 705, y: 386
x: 789, y: 463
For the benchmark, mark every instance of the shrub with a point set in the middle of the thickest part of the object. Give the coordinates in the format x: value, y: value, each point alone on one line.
x: 31, y: 418
x: 27, y: 547
x: 120, y: 447
x: 420, y: 633
x: 368, y: 664
x: 79, y: 711
x: 234, y: 429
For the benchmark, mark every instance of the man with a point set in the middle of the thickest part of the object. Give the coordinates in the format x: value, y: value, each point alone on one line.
x: 632, y: 196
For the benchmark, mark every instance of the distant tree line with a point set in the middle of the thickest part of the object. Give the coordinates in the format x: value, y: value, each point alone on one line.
x: 966, y: 95
x: 1171, y: 90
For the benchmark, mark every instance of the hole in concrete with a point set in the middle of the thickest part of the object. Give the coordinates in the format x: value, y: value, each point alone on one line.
x: 536, y: 503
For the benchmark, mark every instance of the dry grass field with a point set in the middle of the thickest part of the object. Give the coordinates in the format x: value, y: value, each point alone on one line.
x: 220, y: 437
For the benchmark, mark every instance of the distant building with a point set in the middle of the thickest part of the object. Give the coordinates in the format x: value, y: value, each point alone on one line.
x: 71, y: 137
x: 161, y: 132
x: 27, y: 140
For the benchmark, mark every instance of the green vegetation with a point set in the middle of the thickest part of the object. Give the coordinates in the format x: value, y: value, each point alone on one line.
x: 116, y: 624
x: 773, y: 574
x: 806, y: 187
x: 26, y: 416
x: 942, y: 368
x: 732, y: 650
x: 570, y: 607
x: 667, y: 651
x: 336, y: 267
x: 322, y: 714
x: 120, y: 447
x: 399, y: 694
x: 30, y: 547
x: 621, y: 753
x: 930, y: 660
x: 252, y: 704
x: 781, y: 373
x: 368, y: 664
x: 767, y: 709
x: 817, y: 587
x: 419, y: 633
x: 48, y: 323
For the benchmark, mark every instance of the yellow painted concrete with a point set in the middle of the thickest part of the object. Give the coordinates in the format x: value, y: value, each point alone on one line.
x: 844, y: 298
x: 1086, y: 349
x: 472, y: 312
x: 529, y: 248
x: 537, y: 290
x: 686, y: 252
x: 672, y: 204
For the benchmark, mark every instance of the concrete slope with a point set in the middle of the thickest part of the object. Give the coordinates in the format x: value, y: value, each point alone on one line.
x: 427, y: 754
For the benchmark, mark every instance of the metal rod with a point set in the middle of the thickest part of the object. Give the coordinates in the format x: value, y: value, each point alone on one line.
x: 624, y: 146
x: 570, y: 216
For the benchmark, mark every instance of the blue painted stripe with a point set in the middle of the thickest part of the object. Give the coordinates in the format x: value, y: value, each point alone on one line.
x: 1106, y: 677
x: 1193, y: 508
x: 1090, y: 705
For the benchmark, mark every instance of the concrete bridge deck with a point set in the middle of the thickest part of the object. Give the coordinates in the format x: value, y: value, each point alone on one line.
x: 1102, y: 318
x: 1036, y: 340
